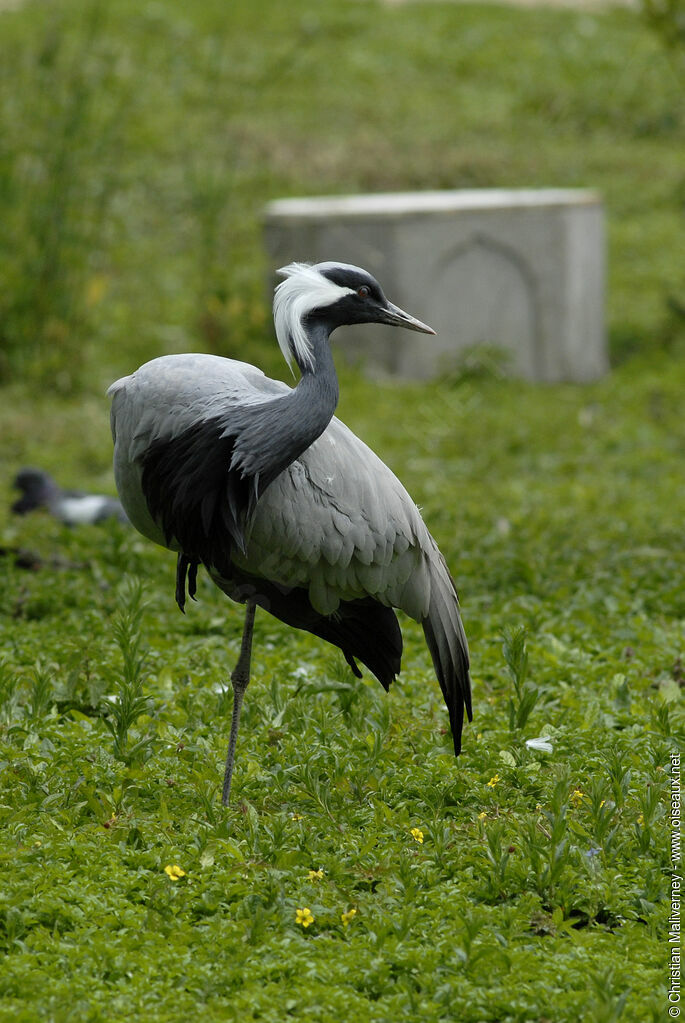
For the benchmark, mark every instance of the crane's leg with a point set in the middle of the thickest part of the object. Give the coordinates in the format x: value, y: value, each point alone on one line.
x: 239, y: 680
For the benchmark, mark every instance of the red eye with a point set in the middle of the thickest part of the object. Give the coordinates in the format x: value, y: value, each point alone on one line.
x: 363, y: 292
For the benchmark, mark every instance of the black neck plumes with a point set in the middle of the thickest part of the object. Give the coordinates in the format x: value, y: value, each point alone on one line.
x: 277, y: 432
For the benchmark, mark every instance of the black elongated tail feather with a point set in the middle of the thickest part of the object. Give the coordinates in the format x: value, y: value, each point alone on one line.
x: 446, y: 641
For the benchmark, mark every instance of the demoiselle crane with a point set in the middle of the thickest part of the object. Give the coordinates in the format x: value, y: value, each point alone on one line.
x: 284, y: 506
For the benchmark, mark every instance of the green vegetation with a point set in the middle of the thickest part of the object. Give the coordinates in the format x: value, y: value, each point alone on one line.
x: 515, y: 884
x: 140, y: 143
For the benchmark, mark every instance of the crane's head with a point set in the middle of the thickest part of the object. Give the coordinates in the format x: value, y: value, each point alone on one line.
x: 333, y: 294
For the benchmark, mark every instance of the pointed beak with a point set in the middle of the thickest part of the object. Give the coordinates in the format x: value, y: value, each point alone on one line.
x: 397, y: 317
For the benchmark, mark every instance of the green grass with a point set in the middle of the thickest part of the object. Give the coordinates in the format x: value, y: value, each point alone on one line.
x: 539, y: 889
x: 560, y: 511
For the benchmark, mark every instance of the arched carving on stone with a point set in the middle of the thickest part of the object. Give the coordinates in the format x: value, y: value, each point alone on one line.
x: 494, y: 301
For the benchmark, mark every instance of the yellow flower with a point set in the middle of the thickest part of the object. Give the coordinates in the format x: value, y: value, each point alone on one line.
x: 493, y: 781
x: 295, y: 816
x: 577, y: 797
x: 174, y: 872
x: 482, y: 815
x: 315, y: 875
x: 349, y: 915
x: 304, y: 917
x: 640, y: 820
x: 417, y: 835
x: 602, y: 803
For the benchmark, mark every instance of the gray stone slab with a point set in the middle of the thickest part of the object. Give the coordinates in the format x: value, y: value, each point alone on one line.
x: 522, y: 270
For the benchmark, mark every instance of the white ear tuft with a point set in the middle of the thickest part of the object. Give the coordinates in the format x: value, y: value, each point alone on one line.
x: 293, y: 268
x: 304, y: 289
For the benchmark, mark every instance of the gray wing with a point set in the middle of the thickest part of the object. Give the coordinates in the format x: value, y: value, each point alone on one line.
x: 168, y: 395
x: 339, y: 523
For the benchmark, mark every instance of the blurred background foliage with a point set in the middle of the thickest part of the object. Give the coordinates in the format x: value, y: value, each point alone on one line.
x: 141, y: 141
x: 667, y: 18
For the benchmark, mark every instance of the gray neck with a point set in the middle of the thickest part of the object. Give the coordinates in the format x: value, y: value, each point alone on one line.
x: 276, y: 433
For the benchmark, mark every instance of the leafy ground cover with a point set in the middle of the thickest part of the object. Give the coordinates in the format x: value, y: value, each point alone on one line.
x: 361, y: 872
x: 514, y: 884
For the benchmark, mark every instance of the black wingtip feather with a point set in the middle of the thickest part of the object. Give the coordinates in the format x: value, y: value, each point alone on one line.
x: 353, y: 664
x: 199, y: 501
x: 186, y: 572
x: 363, y: 629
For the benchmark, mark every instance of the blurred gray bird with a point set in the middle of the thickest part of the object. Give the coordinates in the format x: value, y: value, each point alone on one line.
x: 39, y: 490
x: 284, y: 506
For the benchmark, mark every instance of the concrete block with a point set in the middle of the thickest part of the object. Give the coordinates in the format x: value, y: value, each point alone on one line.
x: 522, y: 270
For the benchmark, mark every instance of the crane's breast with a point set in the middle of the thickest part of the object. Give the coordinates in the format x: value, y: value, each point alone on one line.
x: 339, y: 522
